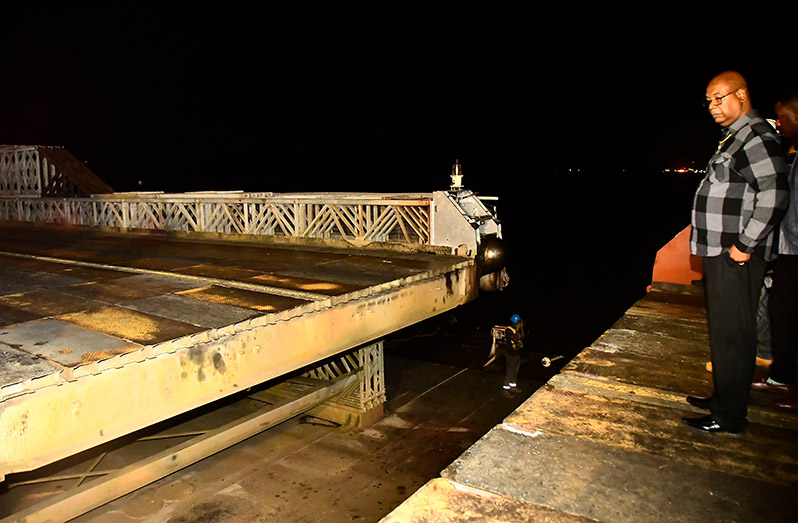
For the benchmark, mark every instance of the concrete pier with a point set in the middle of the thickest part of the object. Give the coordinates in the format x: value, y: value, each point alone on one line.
x: 604, y: 441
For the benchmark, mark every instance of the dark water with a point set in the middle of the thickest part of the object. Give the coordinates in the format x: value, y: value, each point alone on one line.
x: 582, y: 248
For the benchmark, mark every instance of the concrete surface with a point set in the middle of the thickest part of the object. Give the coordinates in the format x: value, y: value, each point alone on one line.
x: 604, y: 441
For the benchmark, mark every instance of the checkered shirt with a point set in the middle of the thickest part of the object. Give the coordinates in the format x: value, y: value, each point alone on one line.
x: 744, y: 193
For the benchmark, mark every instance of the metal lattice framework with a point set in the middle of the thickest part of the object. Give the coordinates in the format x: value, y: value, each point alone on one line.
x: 369, y: 218
x: 32, y: 189
x: 25, y: 171
x: 20, y: 169
x: 369, y: 363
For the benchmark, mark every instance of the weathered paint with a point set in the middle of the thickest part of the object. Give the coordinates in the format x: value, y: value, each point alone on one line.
x: 134, y: 390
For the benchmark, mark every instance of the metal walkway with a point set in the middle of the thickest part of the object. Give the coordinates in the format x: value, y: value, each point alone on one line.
x: 102, y: 334
x: 604, y: 441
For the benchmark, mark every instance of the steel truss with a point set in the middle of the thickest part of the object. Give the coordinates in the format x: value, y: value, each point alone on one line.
x: 394, y: 218
x: 367, y: 399
x: 24, y: 171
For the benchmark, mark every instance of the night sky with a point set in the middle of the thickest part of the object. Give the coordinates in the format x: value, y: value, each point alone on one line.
x: 384, y: 96
x: 360, y: 95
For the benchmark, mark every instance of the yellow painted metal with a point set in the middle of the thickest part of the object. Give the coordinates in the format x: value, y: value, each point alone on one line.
x: 73, y: 503
x: 117, y: 396
x: 278, y: 291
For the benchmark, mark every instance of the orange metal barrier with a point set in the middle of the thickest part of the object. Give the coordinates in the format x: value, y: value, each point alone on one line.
x: 675, y: 264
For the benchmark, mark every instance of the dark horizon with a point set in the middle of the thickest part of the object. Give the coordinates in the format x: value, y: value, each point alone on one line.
x: 349, y: 96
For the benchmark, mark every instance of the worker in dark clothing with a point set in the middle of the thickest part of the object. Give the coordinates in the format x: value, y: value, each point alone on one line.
x: 508, y: 342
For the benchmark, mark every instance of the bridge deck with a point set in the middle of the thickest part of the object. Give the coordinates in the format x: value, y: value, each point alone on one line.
x: 604, y: 441
x: 103, y: 333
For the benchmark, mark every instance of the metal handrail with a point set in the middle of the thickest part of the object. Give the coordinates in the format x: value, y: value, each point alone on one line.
x: 368, y: 218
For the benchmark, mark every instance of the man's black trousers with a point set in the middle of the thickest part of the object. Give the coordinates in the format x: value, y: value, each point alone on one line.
x: 732, y: 294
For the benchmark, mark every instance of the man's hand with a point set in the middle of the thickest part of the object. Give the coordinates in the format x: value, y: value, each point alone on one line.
x: 738, y: 255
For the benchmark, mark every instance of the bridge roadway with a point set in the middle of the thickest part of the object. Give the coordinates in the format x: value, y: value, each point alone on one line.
x: 104, y: 333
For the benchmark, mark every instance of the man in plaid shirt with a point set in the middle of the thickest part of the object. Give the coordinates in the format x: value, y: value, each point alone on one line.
x: 737, y: 205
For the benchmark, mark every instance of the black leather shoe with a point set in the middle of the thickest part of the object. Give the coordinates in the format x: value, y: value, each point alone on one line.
x: 701, y: 403
x: 709, y: 424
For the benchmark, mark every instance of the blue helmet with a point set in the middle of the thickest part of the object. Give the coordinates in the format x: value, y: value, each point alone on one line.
x: 515, y: 318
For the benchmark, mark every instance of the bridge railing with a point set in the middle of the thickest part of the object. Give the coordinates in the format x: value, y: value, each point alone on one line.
x: 399, y: 218
x: 21, y: 170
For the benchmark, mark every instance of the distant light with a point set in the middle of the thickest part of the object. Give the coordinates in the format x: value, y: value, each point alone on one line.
x: 683, y: 170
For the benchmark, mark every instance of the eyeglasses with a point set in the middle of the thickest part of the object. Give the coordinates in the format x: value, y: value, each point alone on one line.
x: 717, y: 100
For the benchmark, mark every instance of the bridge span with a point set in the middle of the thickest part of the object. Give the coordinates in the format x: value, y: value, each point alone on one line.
x: 119, y: 311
